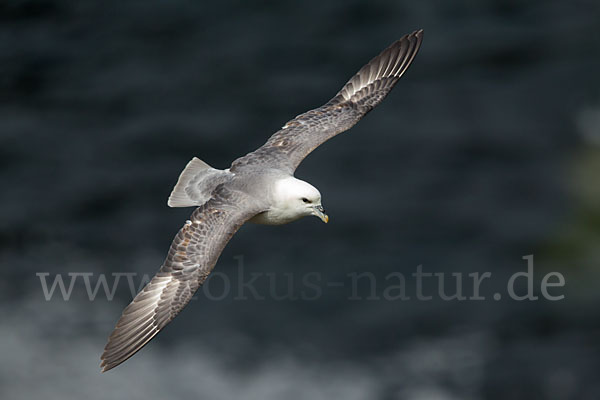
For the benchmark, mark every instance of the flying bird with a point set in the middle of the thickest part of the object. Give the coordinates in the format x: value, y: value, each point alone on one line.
x: 259, y: 187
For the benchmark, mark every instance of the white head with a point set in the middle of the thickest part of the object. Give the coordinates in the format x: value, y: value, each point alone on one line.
x: 296, y: 199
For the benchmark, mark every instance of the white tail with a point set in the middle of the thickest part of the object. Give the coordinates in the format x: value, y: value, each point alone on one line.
x: 184, y: 193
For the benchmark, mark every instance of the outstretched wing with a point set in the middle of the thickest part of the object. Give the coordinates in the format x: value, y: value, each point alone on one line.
x: 296, y: 139
x: 191, y: 258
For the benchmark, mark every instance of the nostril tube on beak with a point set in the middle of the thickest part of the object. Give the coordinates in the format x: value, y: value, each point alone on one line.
x: 320, y: 212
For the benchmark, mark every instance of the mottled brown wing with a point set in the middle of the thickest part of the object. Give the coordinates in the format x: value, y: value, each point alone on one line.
x: 191, y: 258
x: 296, y: 139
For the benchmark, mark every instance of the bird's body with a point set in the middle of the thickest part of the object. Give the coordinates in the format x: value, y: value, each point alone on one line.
x: 259, y: 187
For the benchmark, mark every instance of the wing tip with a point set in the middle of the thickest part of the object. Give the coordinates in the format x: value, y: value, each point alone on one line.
x: 419, y: 33
x: 104, y: 364
x: 112, y: 359
x: 416, y: 34
x: 104, y: 367
x: 391, y: 64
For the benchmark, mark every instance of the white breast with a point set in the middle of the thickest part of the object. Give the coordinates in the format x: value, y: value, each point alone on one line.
x: 275, y: 217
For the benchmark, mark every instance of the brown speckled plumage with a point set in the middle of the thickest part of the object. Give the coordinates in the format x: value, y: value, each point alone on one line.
x: 297, y: 138
x: 190, y: 260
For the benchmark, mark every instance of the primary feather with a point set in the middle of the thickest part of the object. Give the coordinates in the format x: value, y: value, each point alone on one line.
x: 300, y: 136
x: 191, y: 258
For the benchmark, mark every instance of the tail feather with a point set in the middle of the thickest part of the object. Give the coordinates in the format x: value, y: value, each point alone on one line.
x: 195, y: 184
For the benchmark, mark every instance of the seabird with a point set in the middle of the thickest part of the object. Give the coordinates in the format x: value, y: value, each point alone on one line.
x: 259, y: 187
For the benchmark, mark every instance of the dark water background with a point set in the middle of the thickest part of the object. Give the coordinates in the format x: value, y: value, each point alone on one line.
x: 488, y: 150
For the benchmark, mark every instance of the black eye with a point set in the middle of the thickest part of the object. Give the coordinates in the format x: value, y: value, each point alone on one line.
x: 304, y: 199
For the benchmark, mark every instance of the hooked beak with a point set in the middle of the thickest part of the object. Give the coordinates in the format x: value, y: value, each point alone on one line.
x: 319, y: 212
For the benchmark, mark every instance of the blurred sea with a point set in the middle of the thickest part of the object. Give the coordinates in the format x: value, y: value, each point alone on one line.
x: 488, y: 150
